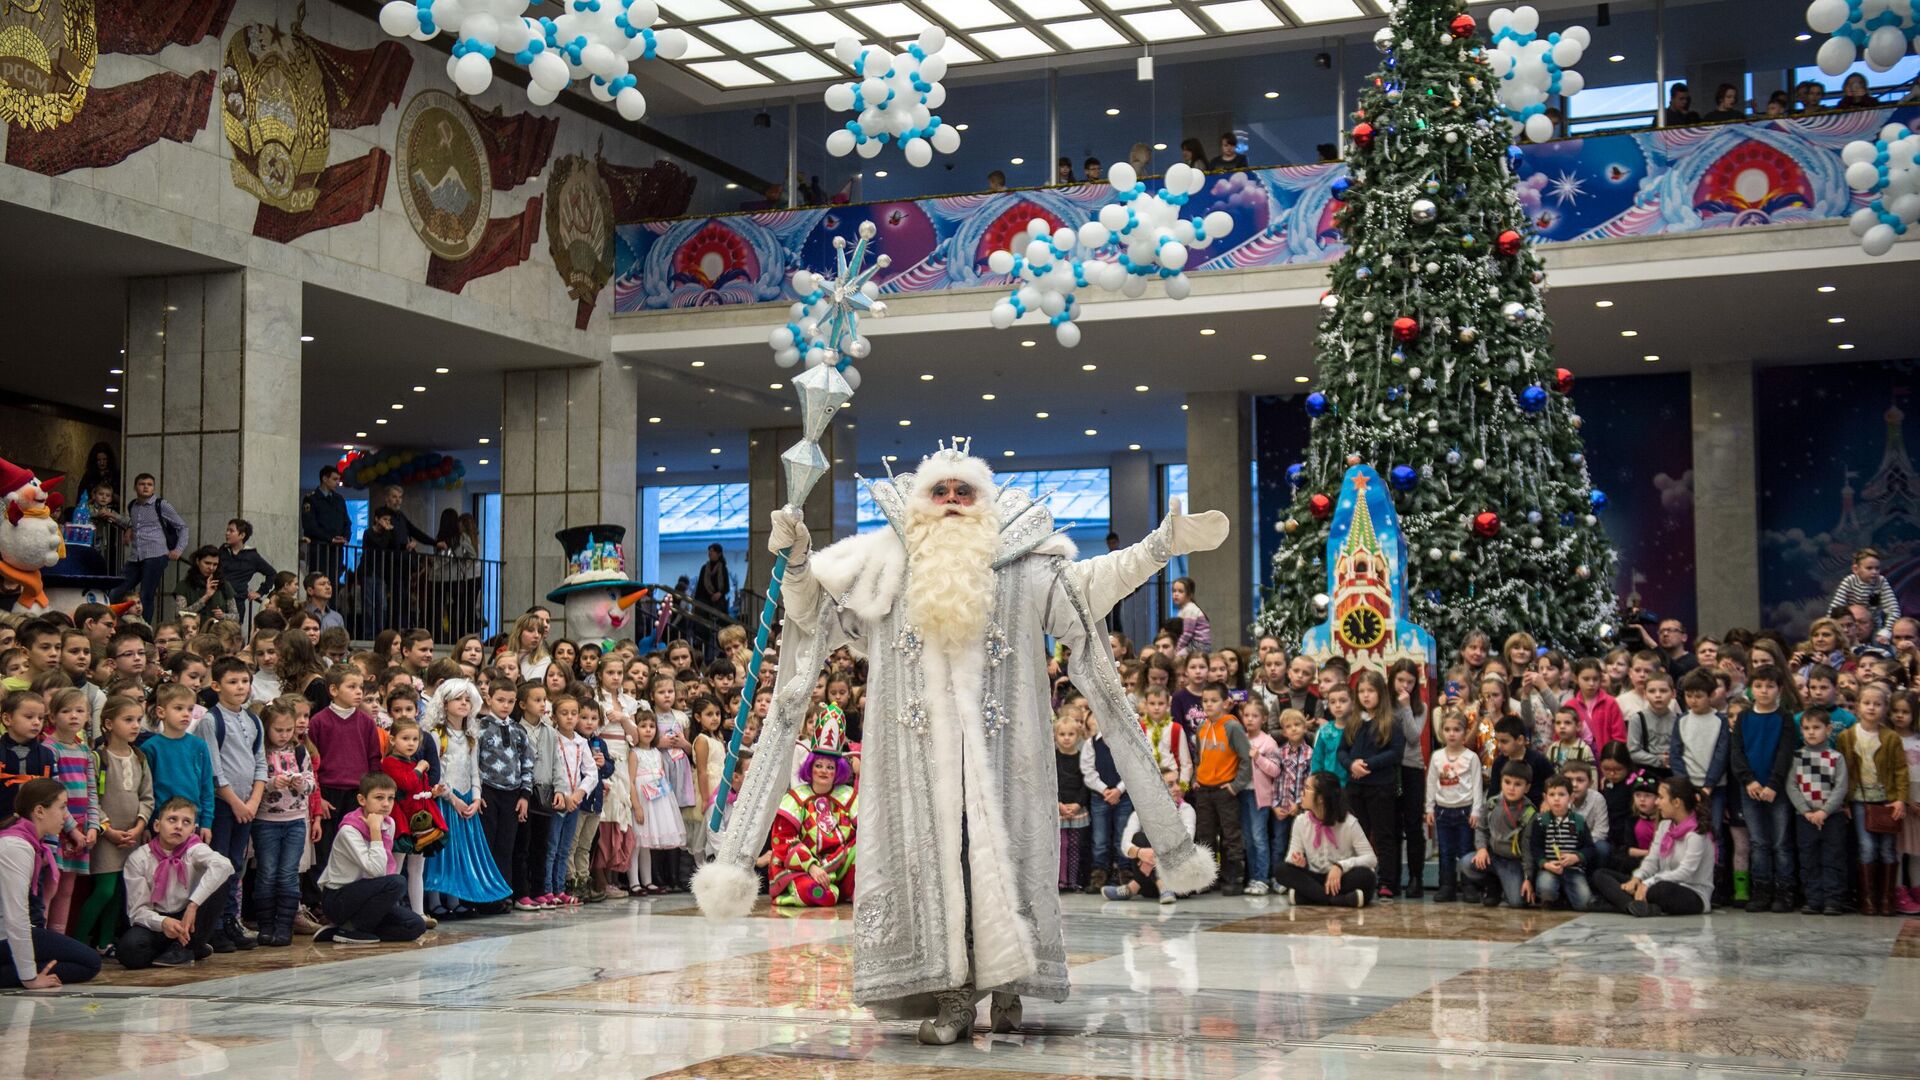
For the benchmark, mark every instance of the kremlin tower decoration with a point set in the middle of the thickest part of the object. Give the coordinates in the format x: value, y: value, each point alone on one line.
x: 1366, y: 600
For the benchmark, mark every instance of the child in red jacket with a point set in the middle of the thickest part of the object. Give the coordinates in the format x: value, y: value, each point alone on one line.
x: 416, y: 810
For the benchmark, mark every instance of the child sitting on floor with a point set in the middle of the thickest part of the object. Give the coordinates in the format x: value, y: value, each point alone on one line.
x: 175, y: 892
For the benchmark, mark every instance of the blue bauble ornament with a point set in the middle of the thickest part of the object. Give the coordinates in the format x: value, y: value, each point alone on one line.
x: 1433, y: 596
x: 1567, y: 519
x: 1514, y: 157
x: 1533, y: 399
x: 1403, y: 477
x: 1598, y: 500
x: 1393, y: 393
x: 1340, y: 187
x: 1294, y: 472
x: 1316, y: 404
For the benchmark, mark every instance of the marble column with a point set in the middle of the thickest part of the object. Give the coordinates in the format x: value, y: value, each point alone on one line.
x: 830, y: 511
x: 1726, y: 486
x: 568, y: 455
x: 1219, y: 466
x: 212, y: 405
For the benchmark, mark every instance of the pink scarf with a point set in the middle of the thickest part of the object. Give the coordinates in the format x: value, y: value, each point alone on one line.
x: 1322, y: 833
x: 357, y: 821
x: 47, y: 872
x: 165, y: 863
x: 1675, y: 833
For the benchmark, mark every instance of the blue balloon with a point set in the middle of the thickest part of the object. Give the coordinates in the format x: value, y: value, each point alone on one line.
x: 1597, y: 500
x: 1403, y: 477
x: 1533, y: 399
x: 1316, y: 403
x: 1340, y: 188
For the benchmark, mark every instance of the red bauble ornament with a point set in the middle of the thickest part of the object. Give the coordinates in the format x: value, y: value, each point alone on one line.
x: 1510, y: 242
x: 1322, y: 507
x: 1563, y: 380
x: 1405, y: 328
x: 1486, y: 524
x: 1363, y: 134
x: 1461, y: 26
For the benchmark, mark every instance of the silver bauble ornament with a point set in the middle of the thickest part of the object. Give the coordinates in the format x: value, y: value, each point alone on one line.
x: 1423, y: 211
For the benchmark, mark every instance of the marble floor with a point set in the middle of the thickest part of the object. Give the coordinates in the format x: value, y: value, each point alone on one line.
x: 1213, y: 988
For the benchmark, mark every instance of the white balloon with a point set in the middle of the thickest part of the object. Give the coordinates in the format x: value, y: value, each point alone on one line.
x: 1028, y: 296
x: 858, y: 348
x: 1525, y: 20
x: 599, y: 89
x: 1567, y: 52
x: 946, y: 138
x: 480, y: 26
x: 847, y: 49
x: 1038, y: 253
x: 631, y: 104
x: 840, y: 142
x: 1571, y: 83
x: 1113, y: 216
x: 1093, y: 234
x: 868, y: 149
x: 1113, y: 277
x: 472, y: 74
x: 1134, y: 286
x: 601, y: 60
x: 1219, y: 223
x: 1122, y: 176
x: 1176, y: 178
x: 1862, y: 175
x: 873, y: 90
x: 540, y: 95
x: 919, y: 152
x: 1885, y: 48
x: 1067, y: 334
x: 933, y: 68
x: 1000, y: 262
x: 935, y: 97
x: 1002, y: 315
x: 1879, y: 240
x: 932, y: 39
x: 1835, y: 56
x: 400, y: 18
x: 781, y: 339
x: 1052, y: 303
x: 1498, y: 21
x: 1179, y: 286
x: 1173, y: 256
x: 786, y: 358
x: 670, y: 44
x: 1826, y: 16
x: 1539, y: 128
x: 852, y: 375
x: 839, y: 97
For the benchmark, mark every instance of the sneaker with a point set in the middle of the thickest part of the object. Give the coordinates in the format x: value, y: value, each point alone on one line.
x: 1258, y: 888
x: 1166, y: 898
x: 1386, y: 892
x: 305, y: 923
x: 430, y: 921
x: 221, y: 943
x: 572, y: 899
x: 177, y: 956
x: 525, y: 903
x: 596, y: 896
x: 202, y: 951
x: 1115, y: 892
x: 325, y: 934
x: 354, y: 938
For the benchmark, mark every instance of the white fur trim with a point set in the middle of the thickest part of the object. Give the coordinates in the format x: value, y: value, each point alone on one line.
x: 949, y: 466
x: 725, y: 891
x: 865, y: 572
x: 1191, y: 876
x: 1058, y: 544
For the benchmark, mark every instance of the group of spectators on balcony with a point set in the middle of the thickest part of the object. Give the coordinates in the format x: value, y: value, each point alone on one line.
x: 1808, y: 96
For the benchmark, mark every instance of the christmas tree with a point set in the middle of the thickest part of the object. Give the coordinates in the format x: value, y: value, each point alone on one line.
x: 1436, y: 367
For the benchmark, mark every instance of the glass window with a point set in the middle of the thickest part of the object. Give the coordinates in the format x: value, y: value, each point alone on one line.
x: 486, y: 512
x: 690, y: 518
x: 1899, y: 77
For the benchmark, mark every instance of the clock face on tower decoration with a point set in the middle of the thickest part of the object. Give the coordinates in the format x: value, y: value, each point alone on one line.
x: 1366, y: 585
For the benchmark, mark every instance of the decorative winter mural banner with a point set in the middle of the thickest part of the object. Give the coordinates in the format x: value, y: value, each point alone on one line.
x: 1366, y: 597
x: 1642, y: 183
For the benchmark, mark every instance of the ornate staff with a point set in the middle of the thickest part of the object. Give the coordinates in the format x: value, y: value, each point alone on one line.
x: 828, y: 329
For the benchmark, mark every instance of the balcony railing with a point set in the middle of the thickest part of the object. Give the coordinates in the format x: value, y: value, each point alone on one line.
x: 447, y: 595
x: 1616, y: 185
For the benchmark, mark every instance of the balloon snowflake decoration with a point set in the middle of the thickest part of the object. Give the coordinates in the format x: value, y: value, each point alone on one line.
x: 893, y: 98
x: 1148, y: 237
x: 1531, y: 68
x: 594, y: 40
x: 1885, y: 169
x: 825, y: 325
x: 1883, y: 30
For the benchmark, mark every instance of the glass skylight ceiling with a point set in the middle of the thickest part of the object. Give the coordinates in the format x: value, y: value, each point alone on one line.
x: 755, y: 43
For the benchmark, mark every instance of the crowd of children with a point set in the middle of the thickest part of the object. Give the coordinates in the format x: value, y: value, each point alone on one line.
x: 183, y: 790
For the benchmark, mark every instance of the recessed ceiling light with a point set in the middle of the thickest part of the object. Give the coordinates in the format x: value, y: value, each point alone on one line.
x: 1300, y: 378
x: 441, y: 370
x: 730, y: 187
x: 1603, y: 303
x: 890, y: 457
x: 1650, y: 357
x: 1159, y: 146
x: 1091, y: 431
x: 116, y: 371
x: 776, y: 386
x: 1271, y: 94
x: 1616, y: 58
x: 1837, y: 320
x: 1017, y: 161
x: 106, y: 405
x: 1259, y: 356
x: 1028, y: 344
x: 1141, y: 389
x: 699, y: 363
x: 653, y: 419
x: 713, y: 450
x: 346, y: 446
x: 880, y: 173
x: 485, y: 461
x: 113, y: 389
x: 359, y: 434
x: 1822, y: 289
x: 1183, y: 408
x: 419, y: 389
x: 659, y: 468
x: 397, y: 406
x: 382, y: 420
x: 959, y: 127
x: 1113, y: 112
x: 1803, y: 37
x: 926, y: 377
x: 906, y: 423
x: 1629, y: 333
x: 1006, y: 453
x: 1040, y: 416
x: 1207, y: 332
x: 986, y: 397
x: 303, y: 338
x: 1846, y: 347
x: 171, y: 307
x: 1089, y: 367
x: 1133, y: 446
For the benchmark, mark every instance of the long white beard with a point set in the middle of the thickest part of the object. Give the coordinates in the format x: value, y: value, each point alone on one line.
x: 950, y: 573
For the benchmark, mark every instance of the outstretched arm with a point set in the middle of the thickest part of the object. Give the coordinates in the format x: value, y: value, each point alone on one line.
x: 1105, y: 580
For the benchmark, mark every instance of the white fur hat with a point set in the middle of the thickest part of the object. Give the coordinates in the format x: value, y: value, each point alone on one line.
x: 954, y: 461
